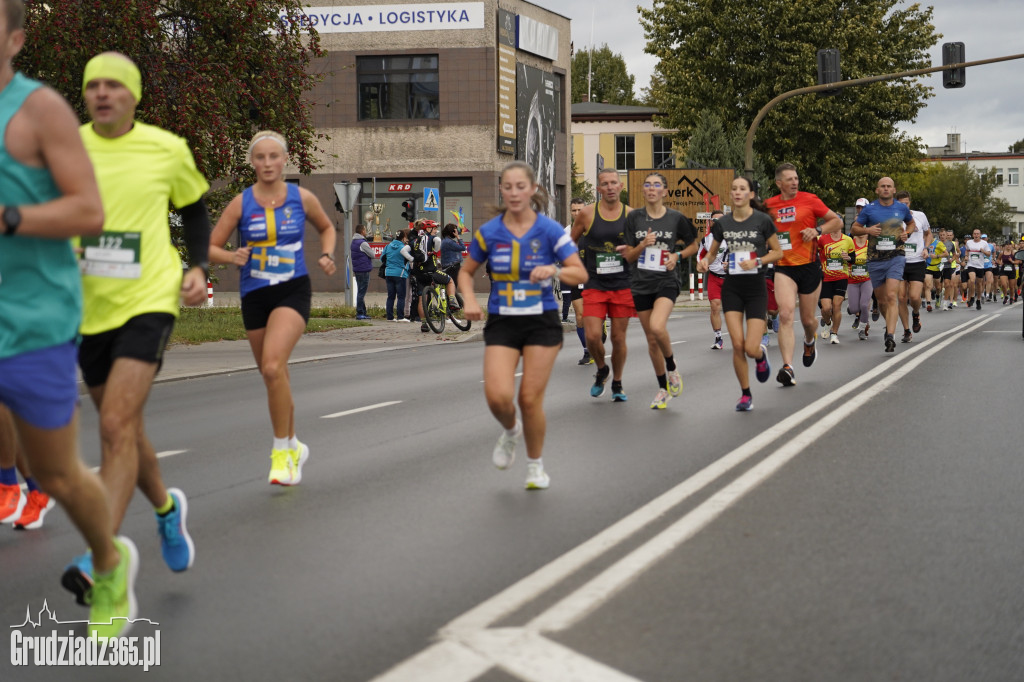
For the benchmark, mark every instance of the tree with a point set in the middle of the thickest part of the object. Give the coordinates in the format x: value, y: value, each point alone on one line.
x: 610, y: 81
x: 715, y: 56
x: 581, y: 187
x: 212, y: 72
x: 710, y: 146
x: 957, y: 196
x: 1017, y: 147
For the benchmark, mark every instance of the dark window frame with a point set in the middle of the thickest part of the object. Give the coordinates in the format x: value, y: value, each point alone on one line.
x: 625, y: 158
x: 394, y: 87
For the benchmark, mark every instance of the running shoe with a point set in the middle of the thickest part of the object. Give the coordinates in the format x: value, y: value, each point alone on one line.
x: 874, y: 314
x: 775, y: 324
x: 280, y: 468
x: 763, y: 368
x: 402, y: 319
x: 977, y: 304
x: 746, y: 404
x: 862, y: 335
x: 867, y: 328
x: 856, y: 321
x: 175, y: 543
x: 113, y: 594
x: 971, y: 302
x: 661, y: 399
x: 907, y: 336
x: 929, y: 306
x: 586, y: 359
x: 834, y: 339
x: 600, y: 378
x: 12, y: 502
x: 890, y: 344
x: 717, y: 345
x: 536, y: 477
x: 505, y: 449
x: 424, y: 327
x: 36, y: 506
x: 766, y: 340
x: 786, y: 377
x: 809, y: 353
x: 824, y: 331
x: 298, y: 457
x: 675, y: 383
x: 1006, y: 299
x: 619, y: 396
x: 77, y: 578
x: 916, y: 326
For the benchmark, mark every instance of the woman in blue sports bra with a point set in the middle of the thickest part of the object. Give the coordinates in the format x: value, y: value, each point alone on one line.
x: 274, y: 283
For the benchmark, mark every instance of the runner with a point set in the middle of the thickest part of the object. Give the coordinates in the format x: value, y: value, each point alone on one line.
x: 651, y: 235
x: 937, y: 261
x: 913, y: 270
x: 523, y: 249
x: 48, y: 193
x: 598, y: 229
x: 976, y: 250
x: 274, y: 283
x: 798, y: 274
x: 1007, y: 273
x: 573, y: 296
x: 834, y: 249
x: 753, y: 242
x: 990, y: 270
x: 859, y: 288
x: 887, y: 223
x: 715, y: 277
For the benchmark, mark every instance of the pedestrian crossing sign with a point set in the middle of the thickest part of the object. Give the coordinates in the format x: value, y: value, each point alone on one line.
x: 431, y: 199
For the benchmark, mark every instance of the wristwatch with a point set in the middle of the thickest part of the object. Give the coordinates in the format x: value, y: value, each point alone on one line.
x: 12, y: 219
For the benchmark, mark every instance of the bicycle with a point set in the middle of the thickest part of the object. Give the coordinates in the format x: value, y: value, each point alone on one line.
x: 436, y: 310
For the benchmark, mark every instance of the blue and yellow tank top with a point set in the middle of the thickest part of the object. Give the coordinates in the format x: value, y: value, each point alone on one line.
x: 275, y: 235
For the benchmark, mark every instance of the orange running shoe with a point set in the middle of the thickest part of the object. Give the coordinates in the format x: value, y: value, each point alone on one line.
x: 35, y: 509
x: 12, y: 501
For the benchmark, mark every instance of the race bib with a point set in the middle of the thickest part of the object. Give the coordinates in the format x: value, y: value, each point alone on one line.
x: 910, y: 248
x: 886, y: 243
x: 112, y: 254
x: 945, y: 260
x: 859, y: 271
x: 654, y: 259
x: 835, y: 264
x: 736, y: 259
x: 784, y: 241
x: 519, y: 298
x: 609, y: 263
x: 271, y: 262
x: 975, y: 258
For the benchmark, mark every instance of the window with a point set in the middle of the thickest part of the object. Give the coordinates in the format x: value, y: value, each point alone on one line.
x: 625, y: 152
x: 1013, y: 176
x: 399, y: 87
x: 661, y: 152
x: 999, y: 176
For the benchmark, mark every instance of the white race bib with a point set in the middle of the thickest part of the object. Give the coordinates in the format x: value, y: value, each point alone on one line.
x: 608, y: 263
x: 112, y: 254
x: 654, y: 259
x: 784, y: 241
x: 886, y: 244
x: 736, y: 259
x: 519, y: 298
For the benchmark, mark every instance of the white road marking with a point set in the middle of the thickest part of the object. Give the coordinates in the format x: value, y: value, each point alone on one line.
x: 170, y: 453
x: 360, y: 409
x: 517, y: 374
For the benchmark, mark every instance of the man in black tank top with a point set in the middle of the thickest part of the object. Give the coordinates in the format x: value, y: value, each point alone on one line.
x: 599, y: 229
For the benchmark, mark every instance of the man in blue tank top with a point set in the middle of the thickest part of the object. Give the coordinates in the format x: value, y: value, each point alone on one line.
x: 48, y: 193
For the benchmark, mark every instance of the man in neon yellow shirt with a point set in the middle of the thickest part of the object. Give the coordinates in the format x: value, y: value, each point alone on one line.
x: 132, y: 283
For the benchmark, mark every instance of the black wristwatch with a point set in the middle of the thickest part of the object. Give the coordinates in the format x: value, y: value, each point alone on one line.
x: 12, y: 220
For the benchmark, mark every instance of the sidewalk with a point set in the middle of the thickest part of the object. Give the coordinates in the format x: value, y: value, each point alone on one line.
x: 227, y: 357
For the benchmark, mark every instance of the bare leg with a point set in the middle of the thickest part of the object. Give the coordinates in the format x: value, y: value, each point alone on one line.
x: 537, y: 364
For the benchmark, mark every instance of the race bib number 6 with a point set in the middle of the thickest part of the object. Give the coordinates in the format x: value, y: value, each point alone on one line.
x: 654, y: 259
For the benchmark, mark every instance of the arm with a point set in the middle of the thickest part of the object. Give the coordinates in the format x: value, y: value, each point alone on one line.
x: 833, y: 223
x: 226, y: 224
x: 632, y: 253
x: 57, y: 145
x: 195, y: 220
x: 367, y: 249
x: 328, y: 239
x: 583, y: 218
x: 705, y: 263
x: 407, y: 253
x: 470, y: 306
x: 775, y: 252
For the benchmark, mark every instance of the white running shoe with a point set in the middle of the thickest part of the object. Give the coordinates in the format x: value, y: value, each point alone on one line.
x: 536, y: 477
x: 675, y: 383
x: 661, y: 399
x: 298, y: 458
x: 824, y: 331
x: 834, y: 339
x: 505, y: 449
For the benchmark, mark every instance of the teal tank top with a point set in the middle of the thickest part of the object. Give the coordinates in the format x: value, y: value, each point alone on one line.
x: 40, y: 287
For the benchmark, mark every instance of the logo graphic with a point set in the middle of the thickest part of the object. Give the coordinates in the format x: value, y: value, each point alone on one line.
x: 691, y: 188
x: 53, y: 649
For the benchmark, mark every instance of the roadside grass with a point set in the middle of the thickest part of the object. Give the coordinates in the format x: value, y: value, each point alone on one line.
x: 201, y: 325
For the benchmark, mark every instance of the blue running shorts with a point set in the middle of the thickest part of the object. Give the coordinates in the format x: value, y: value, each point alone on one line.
x: 41, y: 386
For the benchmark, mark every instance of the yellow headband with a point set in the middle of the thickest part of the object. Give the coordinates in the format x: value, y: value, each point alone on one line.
x: 115, y: 67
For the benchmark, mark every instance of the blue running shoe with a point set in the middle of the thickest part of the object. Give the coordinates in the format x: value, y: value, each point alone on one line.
x: 77, y: 578
x: 619, y: 396
x: 775, y: 324
x: 175, y: 543
x: 600, y: 377
x: 766, y: 340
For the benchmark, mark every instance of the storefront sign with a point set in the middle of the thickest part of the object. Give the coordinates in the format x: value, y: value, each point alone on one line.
x: 690, y: 190
x: 443, y: 16
x: 506, y: 82
x: 400, y: 187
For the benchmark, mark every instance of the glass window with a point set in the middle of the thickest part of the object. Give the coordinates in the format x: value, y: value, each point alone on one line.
x: 1013, y: 176
x: 999, y: 176
x: 661, y: 153
x: 398, y: 87
x: 625, y: 152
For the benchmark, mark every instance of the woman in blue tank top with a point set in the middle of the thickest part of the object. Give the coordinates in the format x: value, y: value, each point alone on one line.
x: 274, y: 283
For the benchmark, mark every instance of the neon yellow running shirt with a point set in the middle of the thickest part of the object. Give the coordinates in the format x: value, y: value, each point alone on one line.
x: 133, y: 268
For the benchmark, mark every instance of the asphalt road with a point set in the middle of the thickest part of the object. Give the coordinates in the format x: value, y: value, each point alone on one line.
x: 862, y: 525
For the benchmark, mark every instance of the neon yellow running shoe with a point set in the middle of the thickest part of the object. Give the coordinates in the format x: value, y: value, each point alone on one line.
x: 113, y: 594
x: 280, y: 467
x: 298, y: 458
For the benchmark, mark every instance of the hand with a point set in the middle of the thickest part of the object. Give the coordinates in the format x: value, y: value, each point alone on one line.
x: 543, y: 272
x: 808, y: 233
x: 472, y: 310
x: 846, y: 256
x: 874, y: 230
x: 904, y: 236
x: 702, y: 265
x: 193, y: 287
x: 649, y: 239
x: 241, y: 255
x: 327, y: 265
x: 670, y: 264
x: 621, y: 248
x: 749, y: 264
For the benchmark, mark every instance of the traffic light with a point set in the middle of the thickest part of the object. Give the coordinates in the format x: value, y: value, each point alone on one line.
x: 828, y: 69
x: 953, y: 53
x: 410, y: 209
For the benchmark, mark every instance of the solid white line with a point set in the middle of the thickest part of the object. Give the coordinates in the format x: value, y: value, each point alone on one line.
x: 170, y: 453
x: 583, y: 601
x: 442, y: 662
x: 360, y: 409
x: 528, y: 588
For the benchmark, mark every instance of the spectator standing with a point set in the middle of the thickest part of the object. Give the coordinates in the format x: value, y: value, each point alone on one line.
x: 362, y: 266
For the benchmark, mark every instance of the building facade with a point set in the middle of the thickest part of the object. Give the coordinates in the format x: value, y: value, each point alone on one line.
x: 427, y: 101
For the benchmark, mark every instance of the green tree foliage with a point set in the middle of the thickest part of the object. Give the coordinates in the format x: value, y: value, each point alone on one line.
x: 711, y: 146
x: 610, y: 81
x: 581, y: 187
x: 212, y: 72
x: 729, y: 58
x: 1017, y: 147
x: 957, y: 196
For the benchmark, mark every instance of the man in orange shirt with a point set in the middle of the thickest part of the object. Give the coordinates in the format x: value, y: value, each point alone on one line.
x: 798, y: 274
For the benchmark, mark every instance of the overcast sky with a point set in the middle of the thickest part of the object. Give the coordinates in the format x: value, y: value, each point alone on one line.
x: 988, y: 113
